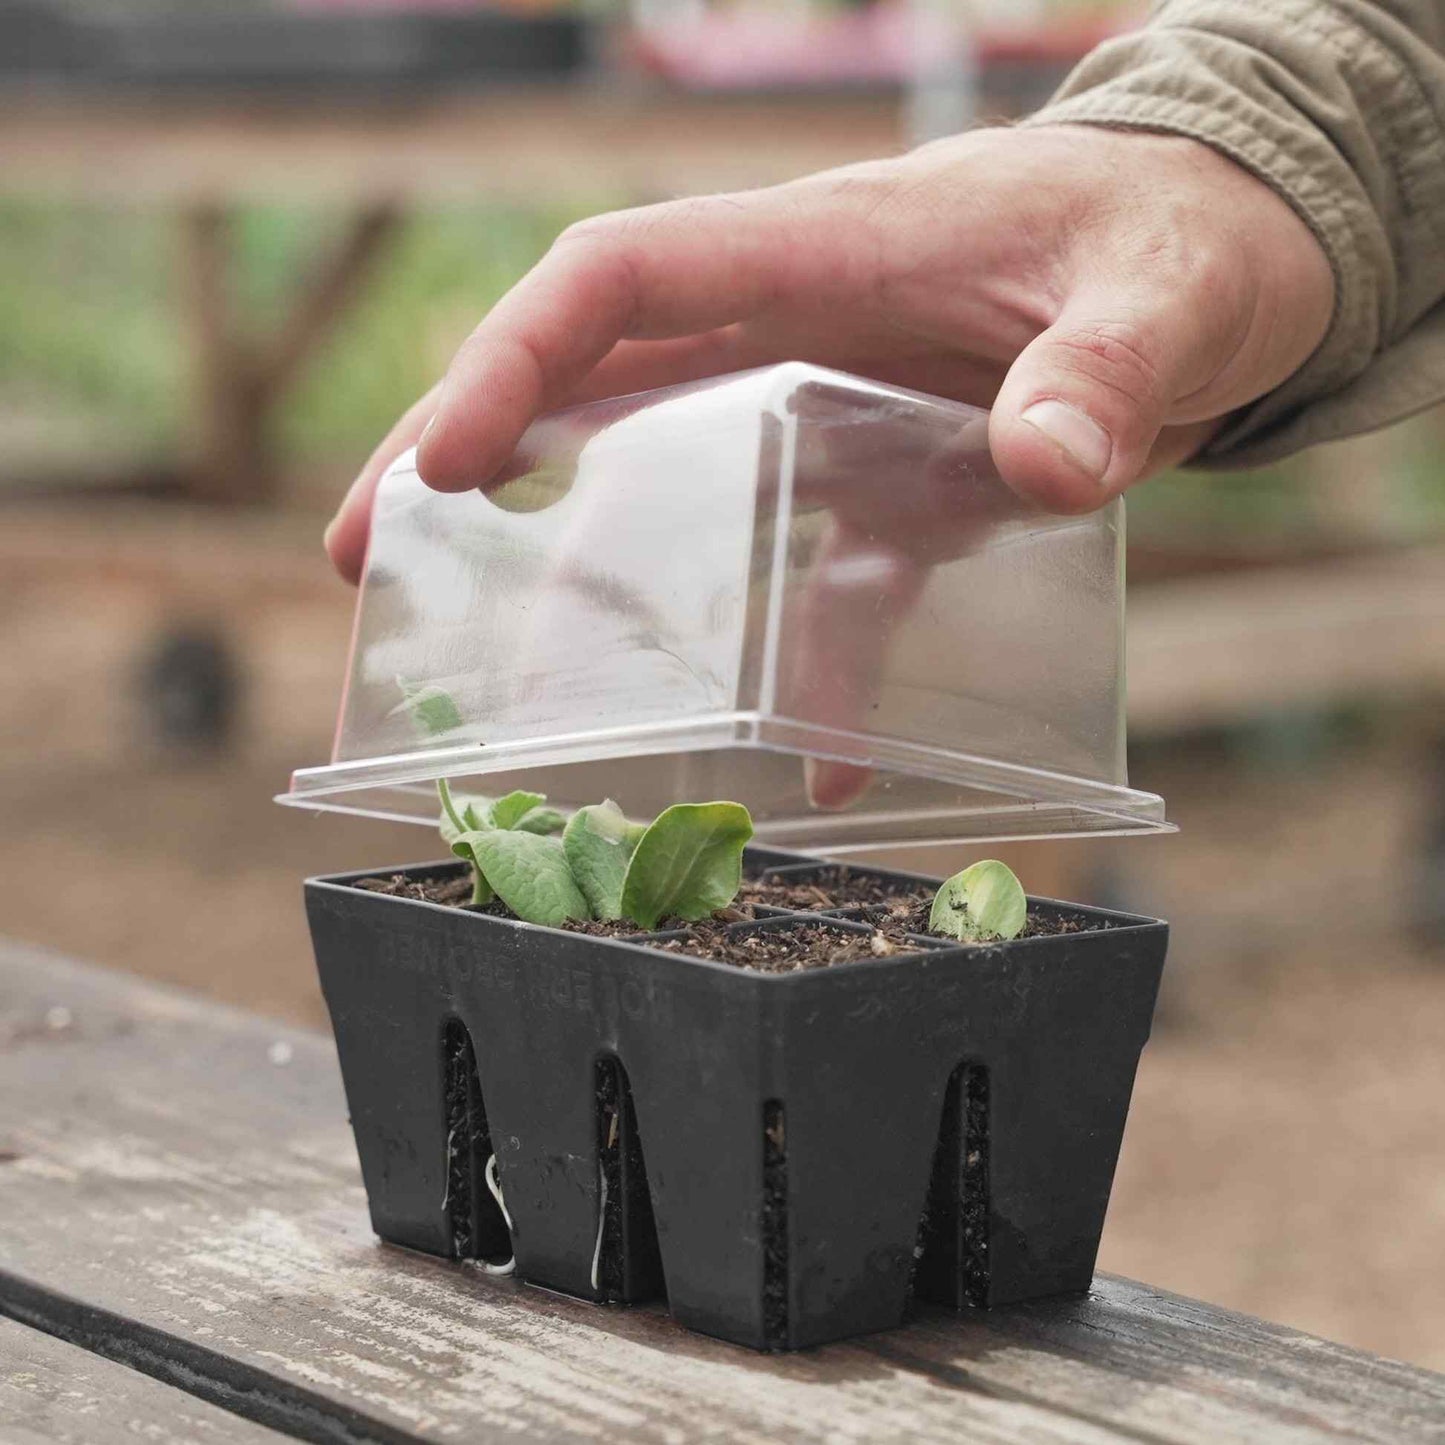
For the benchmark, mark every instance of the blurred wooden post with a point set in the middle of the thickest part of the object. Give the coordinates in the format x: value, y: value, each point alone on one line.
x: 229, y: 465
x: 240, y: 377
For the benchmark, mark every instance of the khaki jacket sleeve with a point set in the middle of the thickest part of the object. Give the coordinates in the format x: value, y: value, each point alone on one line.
x: 1339, y: 105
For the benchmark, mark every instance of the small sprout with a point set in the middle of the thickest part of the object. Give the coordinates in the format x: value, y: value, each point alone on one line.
x: 983, y: 904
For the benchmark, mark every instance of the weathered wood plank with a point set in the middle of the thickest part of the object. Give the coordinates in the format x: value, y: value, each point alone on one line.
x: 1214, y: 650
x: 53, y: 1393
x: 188, y: 1168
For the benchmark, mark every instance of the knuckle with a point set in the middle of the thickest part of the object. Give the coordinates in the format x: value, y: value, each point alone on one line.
x: 1188, y: 248
x: 1191, y: 259
x: 620, y: 230
x: 601, y: 246
x: 599, y: 255
x: 603, y: 230
x: 1115, y: 355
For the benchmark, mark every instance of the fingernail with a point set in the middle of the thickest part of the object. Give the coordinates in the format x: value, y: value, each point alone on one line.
x: 832, y: 786
x: 1086, y: 443
x: 426, y: 431
x: 327, y: 534
x: 810, y: 780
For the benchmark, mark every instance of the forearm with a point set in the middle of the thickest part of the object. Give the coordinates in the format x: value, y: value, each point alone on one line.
x: 1339, y: 106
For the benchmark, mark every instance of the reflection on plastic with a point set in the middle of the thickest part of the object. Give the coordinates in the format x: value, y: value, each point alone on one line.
x: 790, y: 587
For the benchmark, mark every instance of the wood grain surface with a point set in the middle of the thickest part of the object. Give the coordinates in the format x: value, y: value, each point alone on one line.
x: 179, y: 1193
x: 53, y: 1393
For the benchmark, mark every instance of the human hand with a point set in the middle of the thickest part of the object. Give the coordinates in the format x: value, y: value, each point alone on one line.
x: 1111, y: 295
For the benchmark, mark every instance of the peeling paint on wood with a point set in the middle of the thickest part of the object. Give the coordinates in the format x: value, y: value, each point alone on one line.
x: 162, y: 1167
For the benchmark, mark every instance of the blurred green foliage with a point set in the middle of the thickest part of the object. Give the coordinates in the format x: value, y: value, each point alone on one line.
x: 86, y: 314
x: 94, y: 342
x: 91, y: 315
x: 1385, y: 487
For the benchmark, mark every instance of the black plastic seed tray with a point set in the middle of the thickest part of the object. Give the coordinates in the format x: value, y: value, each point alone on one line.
x: 790, y: 1158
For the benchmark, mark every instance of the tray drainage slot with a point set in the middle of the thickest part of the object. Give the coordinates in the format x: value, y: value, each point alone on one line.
x: 775, y: 1225
x: 478, y: 1229
x: 627, y: 1263
x: 953, y: 1236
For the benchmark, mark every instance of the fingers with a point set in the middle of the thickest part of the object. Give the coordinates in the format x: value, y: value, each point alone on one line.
x: 633, y: 366
x: 1084, y: 402
x: 1081, y: 406
x: 685, y: 269
x: 346, y: 535
x: 858, y: 593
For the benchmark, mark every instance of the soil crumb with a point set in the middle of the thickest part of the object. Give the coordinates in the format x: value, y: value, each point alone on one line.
x: 619, y: 928
x: 455, y: 891
x: 911, y: 916
x: 835, y: 886
x: 786, y: 950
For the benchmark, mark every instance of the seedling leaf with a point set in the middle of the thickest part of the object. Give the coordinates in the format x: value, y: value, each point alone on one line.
x: 983, y: 904
x: 507, y: 812
x: 688, y: 863
x: 471, y: 811
x: 529, y: 874
x: 599, y: 843
x: 432, y: 708
x: 543, y: 820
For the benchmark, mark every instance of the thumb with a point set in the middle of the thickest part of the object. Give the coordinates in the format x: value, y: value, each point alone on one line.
x: 1084, y: 402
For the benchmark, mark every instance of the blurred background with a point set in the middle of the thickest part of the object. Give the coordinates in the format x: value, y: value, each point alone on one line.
x: 237, y: 237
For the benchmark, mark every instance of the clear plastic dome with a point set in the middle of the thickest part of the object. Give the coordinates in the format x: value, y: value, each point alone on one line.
x: 792, y: 588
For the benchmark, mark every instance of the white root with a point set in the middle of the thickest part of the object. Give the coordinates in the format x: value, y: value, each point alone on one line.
x: 601, y: 1225
x: 447, y: 1192
x: 494, y: 1187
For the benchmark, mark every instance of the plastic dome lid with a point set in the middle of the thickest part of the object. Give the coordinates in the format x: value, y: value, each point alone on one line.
x: 789, y: 587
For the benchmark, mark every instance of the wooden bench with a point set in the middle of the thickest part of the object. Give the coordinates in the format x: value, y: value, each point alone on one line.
x: 185, y: 1255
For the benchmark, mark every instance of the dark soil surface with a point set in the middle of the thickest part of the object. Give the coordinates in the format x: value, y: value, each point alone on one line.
x: 786, y: 950
x: 790, y: 950
x: 617, y: 928
x: 837, y: 886
x: 456, y: 891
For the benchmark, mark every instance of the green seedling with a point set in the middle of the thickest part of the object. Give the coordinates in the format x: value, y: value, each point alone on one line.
x: 472, y: 826
x: 686, y: 863
x: 983, y: 904
x: 467, y: 822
